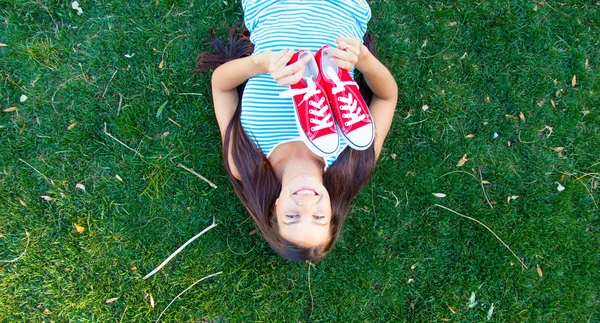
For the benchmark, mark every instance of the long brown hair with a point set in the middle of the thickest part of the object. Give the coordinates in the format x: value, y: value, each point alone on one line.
x: 259, y: 186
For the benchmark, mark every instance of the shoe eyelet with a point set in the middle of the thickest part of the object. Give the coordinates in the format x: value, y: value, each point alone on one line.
x: 312, y: 128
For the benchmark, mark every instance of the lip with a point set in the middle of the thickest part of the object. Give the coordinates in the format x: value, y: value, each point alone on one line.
x: 306, y: 188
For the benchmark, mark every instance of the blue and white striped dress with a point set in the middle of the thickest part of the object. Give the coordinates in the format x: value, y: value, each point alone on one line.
x: 291, y: 24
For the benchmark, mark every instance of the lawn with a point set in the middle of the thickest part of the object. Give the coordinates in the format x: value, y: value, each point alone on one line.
x: 498, y: 115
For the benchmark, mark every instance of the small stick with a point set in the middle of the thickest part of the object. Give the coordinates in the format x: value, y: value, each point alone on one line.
x: 185, y: 290
x: 175, y: 122
x: 199, y: 176
x: 122, y: 315
x: 162, y: 57
x: 485, y: 226
x: 483, y: 188
x: 119, y: 141
x: 590, y: 192
x: 22, y: 254
x: 310, y: 291
x: 459, y: 171
x: 443, y: 50
x: 198, y: 94
x: 120, y: 101
x: 58, y: 88
x: 179, y: 250
x: 35, y: 169
x: 107, y: 85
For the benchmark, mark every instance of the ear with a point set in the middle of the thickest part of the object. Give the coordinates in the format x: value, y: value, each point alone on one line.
x: 277, y: 200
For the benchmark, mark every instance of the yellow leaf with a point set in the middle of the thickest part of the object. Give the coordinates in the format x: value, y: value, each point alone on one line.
x: 11, y: 109
x: 451, y: 309
x: 166, y: 133
x: 22, y: 203
x: 487, y: 99
x: 46, y: 311
x: 118, y: 178
x: 443, y: 319
x: 553, y: 104
x: 539, y: 271
x: 151, y: 301
x: 485, y: 183
x: 509, y: 143
x: 522, y: 116
x: 558, y: 148
x: 253, y: 231
x: 595, y: 185
x: 72, y: 125
x: 587, y: 64
x: 510, y: 116
x: 535, y: 8
x: 469, y: 136
x: 462, y: 161
x: 574, y: 80
x: 413, y: 266
x: 162, y: 64
x: 110, y: 300
x: 541, y: 102
x: 79, y: 228
x: 410, y: 281
x: 452, y: 23
x: 47, y: 198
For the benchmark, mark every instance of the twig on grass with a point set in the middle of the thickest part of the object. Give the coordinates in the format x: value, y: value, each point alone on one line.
x: 119, y: 108
x: 459, y: 171
x: 108, y: 84
x: 35, y: 169
x: 122, y: 143
x: 185, y: 290
x: 199, y: 176
x: 590, y: 192
x: 483, y: 188
x: 162, y: 57
x: 179, y: 250
x: 22, y: 254
x: 485, y: 226
x: 443, y: 50
x: 58, y: 88
x: 237, y: 253
x: 122, y: 315
x: 310, y: 291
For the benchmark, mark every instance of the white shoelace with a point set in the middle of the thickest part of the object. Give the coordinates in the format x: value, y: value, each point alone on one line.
x: 354, y: 113
x: 322, y: 118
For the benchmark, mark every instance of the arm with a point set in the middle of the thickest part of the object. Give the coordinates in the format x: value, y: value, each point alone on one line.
x: 227, y: 77
x: 385, y: 95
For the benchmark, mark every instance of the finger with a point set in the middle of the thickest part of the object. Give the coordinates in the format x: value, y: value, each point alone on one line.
x: 290, y: 69
x: 292, y: 79
x: 342, y: 64
x: 344, y: 55
x: 348, y: 47
x: 280, y: 61
x: 355, y: 42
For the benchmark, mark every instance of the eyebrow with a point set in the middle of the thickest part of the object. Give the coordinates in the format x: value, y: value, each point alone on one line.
x: 294, y: 222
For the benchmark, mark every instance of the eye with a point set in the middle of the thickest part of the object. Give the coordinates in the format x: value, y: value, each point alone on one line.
x: 291, y: 216
x: 318, y: 217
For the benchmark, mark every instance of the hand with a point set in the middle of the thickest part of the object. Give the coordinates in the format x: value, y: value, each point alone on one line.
x: 349, y: 52
x: 276, y: 65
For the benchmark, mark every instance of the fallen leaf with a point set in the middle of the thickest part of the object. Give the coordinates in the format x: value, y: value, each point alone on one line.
x: 3, y: 45
x: 425, y: 107
x: 493, y: 202
x: 129, y: 55
x: 574, y: 80
x: 510, y: 116
x: 75, y: 6
x: 47, y: 198
x: 587, y: 63
x: 23, y: 98
x: 452, y: 23
x: 46, y: 311
x: 558, y: 148
x: 595, y: 185
x: 509, y: 143
x: 410, y: 281
x: 118, y: 178
x: 472, y: 301
x: 487, y: 99
x: 535, y: 8
x: 553, y: 104
x: 11, y: 109
x: 462, y: 161
x: 443, y: 319
x: 490, y: 312
x: 540, y: 103
x: 162, y: 64
x: 72, y: 125
x: 560, y: 188
x: 110, y: 300
x: 166, y: 133
x: 469, y: 136
x: 393, y: 155
x: 485, y: 123
x: 522, y: 116
x: 495, y: 135
x: 451, y: 309
x: 253, y: 231
x: 80, y: 186
x: 22, y: 203
x: 485, y: 183
x: 440, y: 195
x: 512, y: 197
x: 413, y: 266
x: 151, y: 300
x: 78, y: 228
x: 134, y: 268
x: 539, y: 271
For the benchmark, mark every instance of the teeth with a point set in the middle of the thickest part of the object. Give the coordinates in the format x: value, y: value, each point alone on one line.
x: 306, y: 192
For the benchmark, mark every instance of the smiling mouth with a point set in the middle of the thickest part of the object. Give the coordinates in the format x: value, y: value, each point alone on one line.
x: 306, y: 191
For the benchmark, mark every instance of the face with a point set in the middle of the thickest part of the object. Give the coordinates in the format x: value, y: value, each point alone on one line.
x: 304, y: 212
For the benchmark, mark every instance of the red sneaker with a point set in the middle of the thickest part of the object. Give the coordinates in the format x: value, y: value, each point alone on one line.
x: 349, y: 108
x: 314, y: 118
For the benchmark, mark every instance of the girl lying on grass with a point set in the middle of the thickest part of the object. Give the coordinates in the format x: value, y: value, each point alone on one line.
x: 298, y: 138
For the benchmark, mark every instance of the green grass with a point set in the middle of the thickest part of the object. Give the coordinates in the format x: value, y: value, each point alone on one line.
x: 471, y: 62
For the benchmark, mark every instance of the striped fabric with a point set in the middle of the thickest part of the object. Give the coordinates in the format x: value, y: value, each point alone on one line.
x: 281, y: 24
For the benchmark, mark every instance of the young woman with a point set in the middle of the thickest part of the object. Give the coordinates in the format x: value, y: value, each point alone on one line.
x: 298, y: 200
